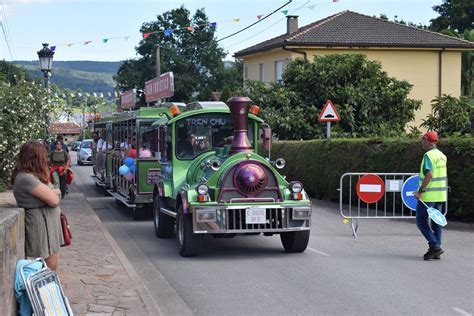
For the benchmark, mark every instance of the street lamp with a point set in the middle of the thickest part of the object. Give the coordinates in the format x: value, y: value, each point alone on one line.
x: 46, y: 61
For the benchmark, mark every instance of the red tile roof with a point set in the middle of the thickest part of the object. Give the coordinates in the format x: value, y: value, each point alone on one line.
x: 351, y: 29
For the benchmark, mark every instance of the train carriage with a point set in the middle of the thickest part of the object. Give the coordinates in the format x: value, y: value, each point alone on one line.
x: 212, y: 181
x: 129, y: 135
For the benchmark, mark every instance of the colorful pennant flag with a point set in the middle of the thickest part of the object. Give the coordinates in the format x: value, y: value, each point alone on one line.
x: 101, y: 95
x: 53, y: 48
x: 146, y: 35
x: 285, y: 12
x: 87, y: 42
x: 105, y: 40
x: 213, y: 24
x: 260, y: 16
x: 237, y: 20
x: 168, y: 32
x: 110, y: 94
x: 190, y: 28
x: 72, y: 95
x: 79, y: 94
x: 126, y: 38
x: 94, y: 94
x: 70, y: 44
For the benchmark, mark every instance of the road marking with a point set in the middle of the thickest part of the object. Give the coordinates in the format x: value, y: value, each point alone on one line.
x: 462, y: 312
x: 317, y: 251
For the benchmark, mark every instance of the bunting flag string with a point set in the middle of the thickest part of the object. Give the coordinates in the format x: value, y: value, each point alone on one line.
x: 169, y: 32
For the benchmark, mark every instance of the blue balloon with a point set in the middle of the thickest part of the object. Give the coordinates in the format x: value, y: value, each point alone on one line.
x: 132, y: 169
x: 129, y: 162
x: 123, y: 170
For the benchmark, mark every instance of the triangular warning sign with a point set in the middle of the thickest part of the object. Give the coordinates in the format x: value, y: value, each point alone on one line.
x: 329, y: 113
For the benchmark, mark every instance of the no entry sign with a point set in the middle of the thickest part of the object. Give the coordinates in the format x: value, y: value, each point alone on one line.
x: 370, y: 188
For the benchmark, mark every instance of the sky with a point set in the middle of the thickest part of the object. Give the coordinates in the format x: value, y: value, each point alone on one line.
x: 29, y: 23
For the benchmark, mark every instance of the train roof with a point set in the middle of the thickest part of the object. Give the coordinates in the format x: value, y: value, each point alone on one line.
x: 202, y: 111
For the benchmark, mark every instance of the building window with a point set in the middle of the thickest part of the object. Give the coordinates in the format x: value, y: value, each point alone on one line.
x: 246, y: 72
x: 279, y: 71
x: 262, y: 73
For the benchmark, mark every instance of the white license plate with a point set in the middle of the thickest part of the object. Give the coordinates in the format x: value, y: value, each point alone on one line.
x: 255, y: 215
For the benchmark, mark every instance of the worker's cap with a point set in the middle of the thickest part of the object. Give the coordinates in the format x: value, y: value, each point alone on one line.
x: 431, y: 137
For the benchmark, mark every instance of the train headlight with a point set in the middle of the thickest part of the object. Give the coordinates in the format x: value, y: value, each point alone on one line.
x: 203, y: 215
x: 202, y: 189
x: 301, y: 213
x: 296, y: 187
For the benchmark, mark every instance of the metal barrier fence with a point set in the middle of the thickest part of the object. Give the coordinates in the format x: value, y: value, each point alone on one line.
x: 382, y: 193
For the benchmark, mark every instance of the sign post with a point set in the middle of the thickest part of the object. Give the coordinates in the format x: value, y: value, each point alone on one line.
x: 329, y: 114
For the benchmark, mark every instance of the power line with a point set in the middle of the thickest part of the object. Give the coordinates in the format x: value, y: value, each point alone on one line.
x: 260, y: 20
x: 7, y: 28
x: 270, y: 26
x: 5, y: 33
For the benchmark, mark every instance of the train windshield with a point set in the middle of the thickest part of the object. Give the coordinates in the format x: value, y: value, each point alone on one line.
x: 204, y: 132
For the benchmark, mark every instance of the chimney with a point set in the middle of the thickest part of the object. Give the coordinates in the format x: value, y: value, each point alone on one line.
x: 291, y: 24
x: 239, y: 110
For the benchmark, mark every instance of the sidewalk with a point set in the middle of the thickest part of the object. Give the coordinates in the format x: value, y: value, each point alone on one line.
x: 95, y: 274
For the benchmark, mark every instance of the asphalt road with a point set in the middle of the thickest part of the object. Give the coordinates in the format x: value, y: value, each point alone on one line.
x: 380, y: 272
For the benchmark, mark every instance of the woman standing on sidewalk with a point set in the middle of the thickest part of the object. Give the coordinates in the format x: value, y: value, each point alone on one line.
x: 34, y: 193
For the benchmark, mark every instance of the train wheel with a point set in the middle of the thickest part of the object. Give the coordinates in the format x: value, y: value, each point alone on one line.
x: 164, y: 224
x: 189, y: 243
x: 295, y: 241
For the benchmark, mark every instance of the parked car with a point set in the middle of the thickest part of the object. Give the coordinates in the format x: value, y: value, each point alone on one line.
x: 76, y: 145
x: 84, y: 155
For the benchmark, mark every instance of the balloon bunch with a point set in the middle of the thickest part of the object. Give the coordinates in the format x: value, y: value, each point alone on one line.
x: 127, y: 170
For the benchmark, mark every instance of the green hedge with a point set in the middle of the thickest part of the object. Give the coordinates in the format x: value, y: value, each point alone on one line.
x: 319, y: 164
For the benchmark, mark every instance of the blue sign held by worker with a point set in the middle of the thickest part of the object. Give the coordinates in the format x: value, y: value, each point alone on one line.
x: 410, y: 186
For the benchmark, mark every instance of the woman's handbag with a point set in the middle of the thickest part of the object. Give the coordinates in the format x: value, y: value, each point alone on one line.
x: 66, y: 231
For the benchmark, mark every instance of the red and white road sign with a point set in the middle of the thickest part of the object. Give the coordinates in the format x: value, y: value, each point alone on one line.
x: 329, y: 113
x: 370, y: 188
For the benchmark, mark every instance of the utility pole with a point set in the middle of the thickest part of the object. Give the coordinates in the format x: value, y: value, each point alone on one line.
x: 84, y: 118
x: 158, y: 70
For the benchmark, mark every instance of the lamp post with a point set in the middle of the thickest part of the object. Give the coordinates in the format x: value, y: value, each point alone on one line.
x: 46, y: 61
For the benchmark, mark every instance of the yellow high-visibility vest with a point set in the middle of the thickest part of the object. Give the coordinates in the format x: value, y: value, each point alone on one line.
x: 437, y: 189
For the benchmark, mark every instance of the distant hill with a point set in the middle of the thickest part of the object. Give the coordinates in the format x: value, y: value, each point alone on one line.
x: 88, y: 76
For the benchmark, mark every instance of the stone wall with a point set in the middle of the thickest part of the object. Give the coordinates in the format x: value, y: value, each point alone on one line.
x: 12, y: 248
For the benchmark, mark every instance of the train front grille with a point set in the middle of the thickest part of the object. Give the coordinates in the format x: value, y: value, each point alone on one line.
x: 276, y: 218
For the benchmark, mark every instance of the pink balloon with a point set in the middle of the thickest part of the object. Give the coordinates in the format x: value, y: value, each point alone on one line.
x: 145, y: 153
x: 129, y: 176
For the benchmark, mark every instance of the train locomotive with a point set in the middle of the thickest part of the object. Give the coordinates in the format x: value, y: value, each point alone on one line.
x: 212, y: 181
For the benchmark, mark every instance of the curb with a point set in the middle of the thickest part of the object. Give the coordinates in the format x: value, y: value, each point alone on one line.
x: 148, y: 300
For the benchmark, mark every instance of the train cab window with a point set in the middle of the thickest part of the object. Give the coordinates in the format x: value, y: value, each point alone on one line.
x: 204, y: 132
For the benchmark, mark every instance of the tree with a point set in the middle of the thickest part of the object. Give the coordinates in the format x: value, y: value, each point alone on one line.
x: 454, y: 14
x: 194, y: 56
x: 22, y: 104
x: 370, y: 102
x: 450, y: 115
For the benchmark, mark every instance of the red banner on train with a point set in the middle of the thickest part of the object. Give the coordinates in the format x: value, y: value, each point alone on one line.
x: 127, y: 99
x: 160, y: 87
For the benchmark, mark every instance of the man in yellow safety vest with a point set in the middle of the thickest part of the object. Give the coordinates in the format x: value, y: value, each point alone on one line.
x: 433, y: 189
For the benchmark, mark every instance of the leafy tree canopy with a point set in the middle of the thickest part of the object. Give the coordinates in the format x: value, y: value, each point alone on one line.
x: 194, y: 56
x: 454, y: 14
x: 370, y: 102
x: 450, y: 116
